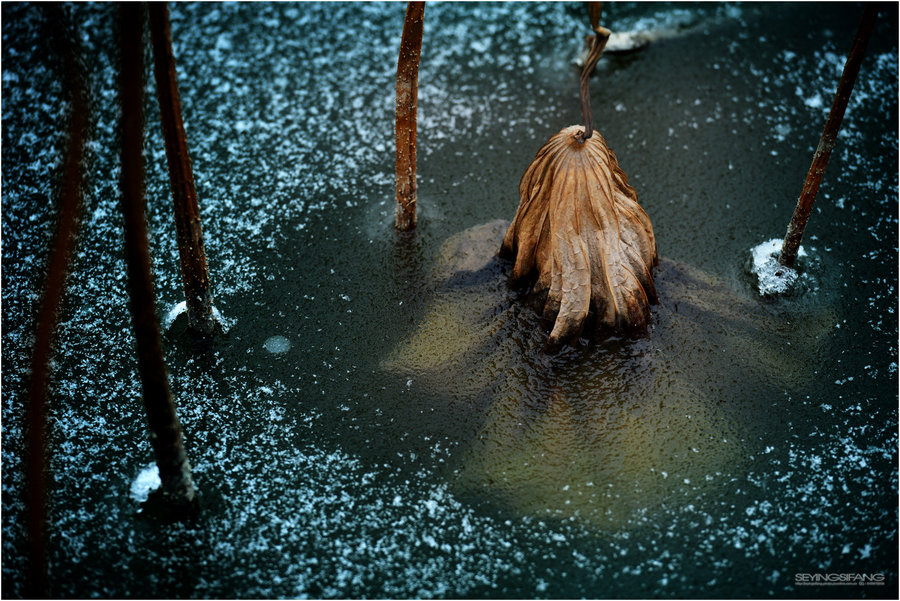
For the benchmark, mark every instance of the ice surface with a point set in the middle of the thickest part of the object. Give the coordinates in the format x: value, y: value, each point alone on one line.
x: 320, y: 476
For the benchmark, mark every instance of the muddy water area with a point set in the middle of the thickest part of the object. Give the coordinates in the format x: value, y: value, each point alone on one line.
x: 379, y: 420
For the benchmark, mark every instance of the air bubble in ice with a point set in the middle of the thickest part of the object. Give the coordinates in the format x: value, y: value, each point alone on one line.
x: 277, y: 344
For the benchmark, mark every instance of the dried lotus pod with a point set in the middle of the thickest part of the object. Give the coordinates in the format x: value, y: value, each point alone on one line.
x: 581, y: 236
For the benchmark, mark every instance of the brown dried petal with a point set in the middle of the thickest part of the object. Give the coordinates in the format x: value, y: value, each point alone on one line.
x: 580, y: 233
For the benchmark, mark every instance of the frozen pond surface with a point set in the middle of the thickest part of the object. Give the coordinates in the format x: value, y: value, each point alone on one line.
x: 323, y: 474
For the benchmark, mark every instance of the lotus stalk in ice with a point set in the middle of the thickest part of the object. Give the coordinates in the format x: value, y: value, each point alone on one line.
x: 70, y: 205
x: 177, y: 497
x: 794, y: 235
x: 406, y: 107
x: 194, y: 271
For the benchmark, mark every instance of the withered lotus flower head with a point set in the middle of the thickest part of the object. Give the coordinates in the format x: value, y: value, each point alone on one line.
x: 581, y: 235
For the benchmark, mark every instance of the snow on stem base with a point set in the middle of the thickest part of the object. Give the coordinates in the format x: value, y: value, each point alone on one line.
x: 146, y: 482
x: 772, y: 277
x: 181, y: 309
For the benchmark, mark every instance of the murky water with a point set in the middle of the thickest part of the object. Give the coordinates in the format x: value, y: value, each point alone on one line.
x: 364, y: 430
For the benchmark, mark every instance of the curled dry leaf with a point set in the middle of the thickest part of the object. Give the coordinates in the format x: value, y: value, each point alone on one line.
x: 581, y: 236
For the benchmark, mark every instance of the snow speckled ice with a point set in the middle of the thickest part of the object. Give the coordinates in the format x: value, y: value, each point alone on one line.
x: 320, y: 475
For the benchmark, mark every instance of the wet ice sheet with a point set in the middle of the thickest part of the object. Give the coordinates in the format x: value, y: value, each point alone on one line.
x: 307, y: 461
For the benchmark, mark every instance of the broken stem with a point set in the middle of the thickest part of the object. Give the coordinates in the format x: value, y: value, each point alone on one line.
x: 601, y: 36
x: 791, y: 245
x: 64, y: 242
x: 165, y: 430
x: 406, y: 107
x: 194, y: 271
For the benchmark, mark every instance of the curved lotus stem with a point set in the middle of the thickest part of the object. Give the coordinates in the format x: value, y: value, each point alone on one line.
x: 580, y: 230
x: 598, y: 43
x: 70, y: 201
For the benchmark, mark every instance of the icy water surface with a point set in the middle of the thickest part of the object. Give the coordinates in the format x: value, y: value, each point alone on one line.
x: 326, y: 471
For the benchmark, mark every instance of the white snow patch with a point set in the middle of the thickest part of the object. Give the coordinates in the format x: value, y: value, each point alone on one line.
x: 773, y: 277
x: 815, y: 101
x: 781, y: 131
x: 146, y: 482
x: 181, y: 307
x: 173, y: 314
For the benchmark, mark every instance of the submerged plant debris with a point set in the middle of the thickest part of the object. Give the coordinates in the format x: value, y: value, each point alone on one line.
x: 596, y: 439
x: 322, y: 474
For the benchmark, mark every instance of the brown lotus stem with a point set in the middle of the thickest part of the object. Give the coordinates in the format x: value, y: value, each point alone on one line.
x: 63, y: 246
x: 791, y: 245
x: 406, y: 107
x: 165, y: 430
x: 597, y: 45
x: 595, y: 11
x: 194, y: 272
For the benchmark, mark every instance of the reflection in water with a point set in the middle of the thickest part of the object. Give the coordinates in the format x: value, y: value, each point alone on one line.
x: 608, y: 432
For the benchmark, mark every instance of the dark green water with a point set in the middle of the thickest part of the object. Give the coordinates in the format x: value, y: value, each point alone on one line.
x: 708, y: 460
